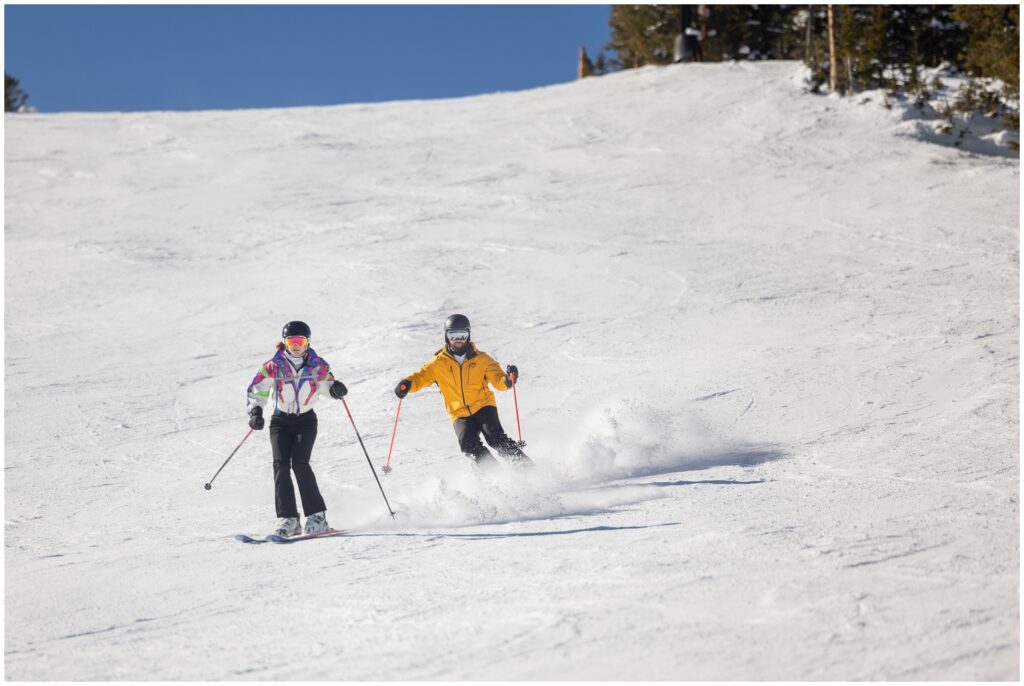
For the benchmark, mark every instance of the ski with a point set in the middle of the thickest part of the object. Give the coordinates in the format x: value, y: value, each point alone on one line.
x: 274, y: 538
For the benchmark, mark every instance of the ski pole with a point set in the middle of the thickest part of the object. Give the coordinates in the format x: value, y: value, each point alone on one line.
x: 209, y: 484
x: 387, y: 466
x: 515, y: 399
x: 367, y: 457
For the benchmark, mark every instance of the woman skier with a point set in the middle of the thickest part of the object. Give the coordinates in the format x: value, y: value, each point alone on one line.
x: 297, y: 376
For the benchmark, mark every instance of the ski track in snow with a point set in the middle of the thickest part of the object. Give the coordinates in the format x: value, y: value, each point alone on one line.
x: 770, y: 377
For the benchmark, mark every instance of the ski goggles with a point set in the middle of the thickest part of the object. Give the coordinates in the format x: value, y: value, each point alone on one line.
x: 457, y: 334
x: 292, y: 341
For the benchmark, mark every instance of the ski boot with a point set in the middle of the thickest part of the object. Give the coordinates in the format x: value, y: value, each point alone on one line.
x: 316, y: 524
x: 288, y: 526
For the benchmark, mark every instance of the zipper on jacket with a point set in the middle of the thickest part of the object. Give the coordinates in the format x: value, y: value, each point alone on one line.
x: 462, y: 387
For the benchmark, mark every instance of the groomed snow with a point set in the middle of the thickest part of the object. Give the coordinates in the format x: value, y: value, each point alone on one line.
x: 770, y: 377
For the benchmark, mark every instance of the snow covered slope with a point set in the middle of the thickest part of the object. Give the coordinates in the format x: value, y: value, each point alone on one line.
x: 770, y: 376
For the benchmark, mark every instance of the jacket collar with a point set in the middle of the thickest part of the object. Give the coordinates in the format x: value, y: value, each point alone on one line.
x: 312, y: 359
x: 471, y: 352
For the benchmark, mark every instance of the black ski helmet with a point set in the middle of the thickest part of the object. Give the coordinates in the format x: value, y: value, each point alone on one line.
x: 295, y: 329
x: 456, y: 321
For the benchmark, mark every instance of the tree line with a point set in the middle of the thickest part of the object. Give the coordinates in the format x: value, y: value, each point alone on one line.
x: 848, y: 48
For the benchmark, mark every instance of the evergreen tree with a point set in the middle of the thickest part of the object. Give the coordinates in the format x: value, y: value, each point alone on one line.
x: 876, y: 46
x: 887, y: 46
x: 993, y: 46
x: 14, y: 97
x: 808, y: 28
x: 643, y: 34
x: 863, y: 48
x: 942, y: 38
x: 729, y: 33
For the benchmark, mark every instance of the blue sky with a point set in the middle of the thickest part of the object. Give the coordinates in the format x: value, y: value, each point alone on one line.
x: 189, y: 57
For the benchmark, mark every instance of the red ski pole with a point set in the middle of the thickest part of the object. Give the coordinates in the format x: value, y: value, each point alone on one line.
x: 387, y: 466
x: 515, y: 399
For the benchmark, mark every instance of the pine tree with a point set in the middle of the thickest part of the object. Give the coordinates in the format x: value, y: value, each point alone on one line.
x: 809, y: 27
x: 754, y: 32
x: 646, y: 34
x: 877, y: 46
x: 642, y: 34
x: 729, y: 33
x: 887, y: 46
x: 14, y: 96
x: 993, y: 46
x: 942, y: 38
x: 863, y: 47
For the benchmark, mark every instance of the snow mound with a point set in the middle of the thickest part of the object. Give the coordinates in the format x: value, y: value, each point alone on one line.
x: 631, y: 438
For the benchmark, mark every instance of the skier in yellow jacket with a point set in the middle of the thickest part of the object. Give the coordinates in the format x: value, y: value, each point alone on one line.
x: 462, y: 373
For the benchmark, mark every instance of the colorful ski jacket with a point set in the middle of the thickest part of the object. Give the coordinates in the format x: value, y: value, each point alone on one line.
x: 464, y: 388
x: 295, y: 392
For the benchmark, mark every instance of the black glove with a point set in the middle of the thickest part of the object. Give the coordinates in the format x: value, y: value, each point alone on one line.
x: 511, y: 375
x: 402, y: 389
x: 338, y: 390
x: 256, y: 418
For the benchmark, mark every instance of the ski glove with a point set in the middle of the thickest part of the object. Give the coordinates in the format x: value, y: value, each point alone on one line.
x: 511, y: 375
x: 256, y: 418
x: 402, y: 389
x: 338, y: 390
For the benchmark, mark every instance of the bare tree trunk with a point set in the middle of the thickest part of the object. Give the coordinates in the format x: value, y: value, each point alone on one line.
x: 808, y: 50
x: 833, y: 72
x: 584, y: 66
x: 703, y: 11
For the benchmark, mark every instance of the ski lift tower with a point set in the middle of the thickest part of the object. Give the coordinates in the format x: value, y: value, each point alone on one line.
x: 687, y: 49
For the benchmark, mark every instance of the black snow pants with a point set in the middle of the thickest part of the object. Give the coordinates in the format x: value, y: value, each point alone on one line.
x: 291, y: 440
x: 485, y: 420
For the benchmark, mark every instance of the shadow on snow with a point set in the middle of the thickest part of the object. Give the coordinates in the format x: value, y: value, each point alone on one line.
x: 523, y: 534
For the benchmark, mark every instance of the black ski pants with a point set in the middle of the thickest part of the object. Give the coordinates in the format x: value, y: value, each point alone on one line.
x: 291, y: 440
x: 485, y: 421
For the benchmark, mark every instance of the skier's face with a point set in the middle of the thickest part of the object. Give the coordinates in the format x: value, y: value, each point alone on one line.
x: 296, y: 345
x: 458, y: 339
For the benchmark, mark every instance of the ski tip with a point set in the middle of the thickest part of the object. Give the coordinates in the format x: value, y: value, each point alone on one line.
x: 247, y: 539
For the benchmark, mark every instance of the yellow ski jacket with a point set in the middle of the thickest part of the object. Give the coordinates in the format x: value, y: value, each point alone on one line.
x: 464, y: 388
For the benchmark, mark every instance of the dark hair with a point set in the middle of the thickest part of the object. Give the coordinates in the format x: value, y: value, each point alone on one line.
x: 280, y: 345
